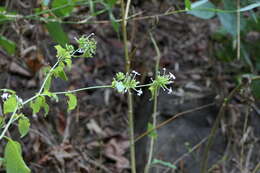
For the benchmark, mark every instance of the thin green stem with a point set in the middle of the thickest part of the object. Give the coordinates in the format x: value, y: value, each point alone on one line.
x: 48, y: 75
x: 155, y: 103
x: 238, y: 29
x: 83, y: 89
x: 9, y: 123
x: 125, y: 11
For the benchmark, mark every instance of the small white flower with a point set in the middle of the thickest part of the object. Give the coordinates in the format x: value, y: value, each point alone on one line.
x: 170, y: 91
x: 139, y: 92
x: 135, y: 72
x: 20, y: 100
x: 172, y: 76
x: 5, y: 96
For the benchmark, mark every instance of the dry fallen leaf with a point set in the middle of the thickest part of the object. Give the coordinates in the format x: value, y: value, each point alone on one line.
x: 115, y: 150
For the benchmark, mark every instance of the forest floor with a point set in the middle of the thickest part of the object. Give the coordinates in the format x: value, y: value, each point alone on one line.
x: 94, y: 137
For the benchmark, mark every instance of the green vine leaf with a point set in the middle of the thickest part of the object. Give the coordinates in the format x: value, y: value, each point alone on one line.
x: 23, y: 126
x: 59, y: 72
x: 37, y: 104
x: 72, y: 101
x: 13, y: 158
x: 10, y: 104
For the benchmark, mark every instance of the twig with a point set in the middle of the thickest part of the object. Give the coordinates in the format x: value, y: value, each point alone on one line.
x: 171, y: 119
x: 204, y: 163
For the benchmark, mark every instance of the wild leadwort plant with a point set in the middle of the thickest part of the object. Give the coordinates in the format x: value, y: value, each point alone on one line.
x: 13, y: 104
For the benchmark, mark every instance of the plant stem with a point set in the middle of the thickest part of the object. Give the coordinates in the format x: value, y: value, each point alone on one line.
x: 9, y: 123
x: 125, y: 11
x: 238, y: 29
x: 204, y: 163
x: 154, y: 115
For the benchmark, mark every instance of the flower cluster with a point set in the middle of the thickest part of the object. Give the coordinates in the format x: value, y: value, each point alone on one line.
x: 124, y: 82
x: 162, y: 81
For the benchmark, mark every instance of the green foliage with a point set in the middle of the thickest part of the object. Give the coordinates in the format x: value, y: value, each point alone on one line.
x: 8, y: 45
x: 201, y: 9
x: 10, y: 104
x: 72, y: 101
x: 13, y: 158
x: 161, y: 162
x: 56, y: 32
x: 2, y: 121
x: 39, y: 103
x: 124, y: 82
x: 151, y: 129
x: 255, y: 86
x: 88, y: 45
x: 187, y: 4
x: 161, y: 81
x: 23, y: 125
x: 67, y: 7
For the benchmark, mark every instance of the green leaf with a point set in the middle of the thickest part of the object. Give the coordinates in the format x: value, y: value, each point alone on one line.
x: 8, y: 45
x: 167, y: 164
x: 72, y: 101
x: 46, y: 109
x: 2, y: 121
x: 114, y: 23
x: 59, y: 72
x: 10, y: 104
x: 23, y: 126
x: 187, y: 4
x: 229, y: 22
x: 56, y: 32
x: 37, y: 104
x: 13, y: 158
x: 153, y: 134
x: 48, y: 83
x: 111, y: 3
x: 61, y: 52
x: 66, y: 7
x: 201, y: 9
x: 51, y: 95
x: 255, y: 87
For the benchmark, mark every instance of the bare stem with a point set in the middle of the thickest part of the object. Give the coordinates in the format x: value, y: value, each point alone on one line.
x: 125, y: 11
x: 154, y: 115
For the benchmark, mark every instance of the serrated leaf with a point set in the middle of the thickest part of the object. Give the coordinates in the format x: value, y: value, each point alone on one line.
x: 59, y: 72
x: 37, y: 104
x: 56, y: 32
x: 8, y: 45
x: 200, y: 9
x: 10, y: 104
x: 153, y: 134
x: 72, y: 101
x: 13, y: 158
x: 23, y: 126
